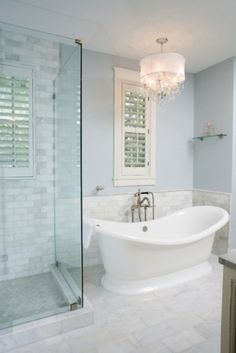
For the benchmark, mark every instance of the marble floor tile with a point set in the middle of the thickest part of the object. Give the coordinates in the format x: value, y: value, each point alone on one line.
x: 183, y: 340
x: 182, y: 319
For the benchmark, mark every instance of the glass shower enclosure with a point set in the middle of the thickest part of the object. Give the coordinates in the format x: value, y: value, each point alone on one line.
x: 68, y: 178
x: 41, y: 247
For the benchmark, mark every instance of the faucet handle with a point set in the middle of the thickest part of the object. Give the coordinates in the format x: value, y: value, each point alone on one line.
x: 138, y: 193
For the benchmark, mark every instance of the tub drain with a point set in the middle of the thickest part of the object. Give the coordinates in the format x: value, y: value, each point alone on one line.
x: 145, y: 228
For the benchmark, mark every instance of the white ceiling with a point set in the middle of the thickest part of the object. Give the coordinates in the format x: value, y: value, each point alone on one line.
x: 201, y: 30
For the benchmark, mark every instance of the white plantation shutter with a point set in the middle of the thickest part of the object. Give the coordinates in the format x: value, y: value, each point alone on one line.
x: 15, y: 121
x: 135, y: 147
x: 134, y: 131
x: 135, y: 127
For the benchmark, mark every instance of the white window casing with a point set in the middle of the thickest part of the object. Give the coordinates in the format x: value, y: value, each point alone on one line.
x: 16, y: 121
x: 134, y: 131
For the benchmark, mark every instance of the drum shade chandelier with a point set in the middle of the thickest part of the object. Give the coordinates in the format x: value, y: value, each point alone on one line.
x: 163, y: 73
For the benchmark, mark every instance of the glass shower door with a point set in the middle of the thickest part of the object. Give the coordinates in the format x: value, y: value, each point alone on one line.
x: 68, y: 195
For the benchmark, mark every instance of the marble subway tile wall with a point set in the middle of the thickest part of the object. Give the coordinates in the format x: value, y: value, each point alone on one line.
x: 114, y: 208
x: 171, y: 201
x: 118, y: 208
x: 67, y: 224
x: 67, y: 162
x: 26, y: 205
x: 220, y: 199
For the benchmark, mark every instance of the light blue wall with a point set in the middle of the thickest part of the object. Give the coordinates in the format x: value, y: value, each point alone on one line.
x: 213, y: 101
x: 174, y: 155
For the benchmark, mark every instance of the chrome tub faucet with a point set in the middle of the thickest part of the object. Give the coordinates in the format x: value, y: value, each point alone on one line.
x: 143, y: 202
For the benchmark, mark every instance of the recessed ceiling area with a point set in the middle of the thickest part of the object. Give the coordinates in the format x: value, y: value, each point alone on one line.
x: 201, y: 30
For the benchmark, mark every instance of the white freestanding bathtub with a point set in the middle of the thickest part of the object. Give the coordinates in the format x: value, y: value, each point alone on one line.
x: 145, y: 256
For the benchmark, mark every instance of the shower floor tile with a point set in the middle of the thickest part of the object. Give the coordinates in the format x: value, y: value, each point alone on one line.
x: 27, y: 298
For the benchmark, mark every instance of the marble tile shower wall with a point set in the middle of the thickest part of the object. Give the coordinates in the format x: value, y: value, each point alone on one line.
x: 117, y: 208
x: 26, y: 206
x: 203, y: 197
x: 67, y: 164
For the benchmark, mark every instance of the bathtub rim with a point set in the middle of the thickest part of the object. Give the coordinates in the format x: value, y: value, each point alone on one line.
x: 102, y: 227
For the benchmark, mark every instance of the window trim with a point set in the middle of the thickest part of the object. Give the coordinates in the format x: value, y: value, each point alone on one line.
x: 21, y: 172
x: 130, y: 77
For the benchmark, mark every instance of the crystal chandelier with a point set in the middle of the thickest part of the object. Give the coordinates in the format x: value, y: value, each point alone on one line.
x: 163, y: 74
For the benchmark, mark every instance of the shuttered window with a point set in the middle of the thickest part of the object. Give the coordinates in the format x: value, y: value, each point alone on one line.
x: 15, y: 121
x: 135, y: 150
x: 134, y: 131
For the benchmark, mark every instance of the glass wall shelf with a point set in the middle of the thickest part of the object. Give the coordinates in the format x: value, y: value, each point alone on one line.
x: 203, y: 137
